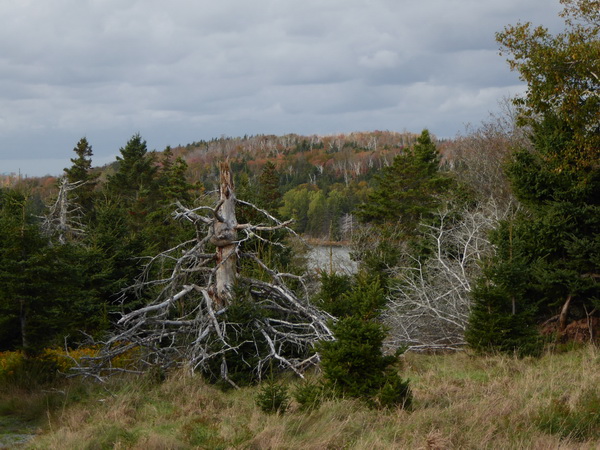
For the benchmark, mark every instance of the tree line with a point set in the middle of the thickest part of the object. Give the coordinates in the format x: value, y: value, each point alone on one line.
x: 482, y: 241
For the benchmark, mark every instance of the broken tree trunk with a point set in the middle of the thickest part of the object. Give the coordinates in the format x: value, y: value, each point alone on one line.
x: 224, y: 238
x: 564, y: 313
x: 191, y: 317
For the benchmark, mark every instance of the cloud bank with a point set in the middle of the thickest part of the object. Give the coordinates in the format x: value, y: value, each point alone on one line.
x: 182, y: 71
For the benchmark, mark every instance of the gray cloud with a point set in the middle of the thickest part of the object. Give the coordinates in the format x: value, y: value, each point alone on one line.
x: 181, y: 71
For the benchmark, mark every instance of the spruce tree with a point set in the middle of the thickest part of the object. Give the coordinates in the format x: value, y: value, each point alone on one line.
x: 407, y: 190
x: 550, y: 250
x: 269, y: 196
x: 80, y: 172
x: 136, y: 174
x: 354, y: 364
x: 162, y: 231
x: 46, y: 292
x: 135, y: 183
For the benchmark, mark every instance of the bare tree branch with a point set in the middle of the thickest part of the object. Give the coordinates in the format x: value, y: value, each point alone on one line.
x: 192, y: 289
x: 63, y: 219
x: 430, y: 303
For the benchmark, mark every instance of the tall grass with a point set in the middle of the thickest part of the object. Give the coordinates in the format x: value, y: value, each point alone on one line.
x: 460, y: 401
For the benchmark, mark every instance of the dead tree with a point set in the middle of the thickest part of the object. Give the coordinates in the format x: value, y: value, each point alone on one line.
x: 430, y: 304
x: 194, y: 290
x: 63, y: 219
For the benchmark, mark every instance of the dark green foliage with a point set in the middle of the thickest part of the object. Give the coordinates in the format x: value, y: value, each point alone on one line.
x: 365, y: 300
x: 310, y: 395
x: 547, y: 255
x: 547, y: 260
x: 81, y: 171
x: 46, y: 291
x: 82, y: 164
x: 342, y: 296
x: 161, y: 230
x: 269, y: 196
x: 118, y: 251
x: 378, y: 249
x: 134, y: 184
x: 244, y: 335
x: 406, y: 194
x: 273, y: 398
x: 493, y: 326
x: 407, y: 190
x: 394, y: 392
x: 329, y: 298
x: 354, y: 363
x: 579, y: 422
x: 135, y: 173
x: 172, y: 180
x: 246, y: 343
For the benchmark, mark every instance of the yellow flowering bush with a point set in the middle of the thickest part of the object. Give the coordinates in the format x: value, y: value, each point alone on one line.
x: 9, y: 361
x: 16, y: 368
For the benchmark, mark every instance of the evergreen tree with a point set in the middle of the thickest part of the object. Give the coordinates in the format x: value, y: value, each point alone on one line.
x: 547, y: 264
x: 80, y: 172
x: 407, y: 190
x: 269, y: 196
x: 172, y: 180
x: 162, y: 231
x: 354, y: 364
x: 45, y: 294
x: 134, y: 183
x: 406, y: 193
x: 136, y: 170
x: 119, y: 251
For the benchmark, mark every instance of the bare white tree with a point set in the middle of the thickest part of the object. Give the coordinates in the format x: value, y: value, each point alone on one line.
x: 430, y: 302
x: 63, y: 219
x: 194, y: 286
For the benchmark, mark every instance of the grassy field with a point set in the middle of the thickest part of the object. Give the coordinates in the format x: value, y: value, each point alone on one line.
x: 460, y: 401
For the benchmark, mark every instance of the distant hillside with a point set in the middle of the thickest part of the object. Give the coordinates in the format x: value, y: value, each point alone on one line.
x: 299, y: 159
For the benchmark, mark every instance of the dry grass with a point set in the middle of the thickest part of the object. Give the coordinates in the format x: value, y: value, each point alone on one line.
x: 461, y: 401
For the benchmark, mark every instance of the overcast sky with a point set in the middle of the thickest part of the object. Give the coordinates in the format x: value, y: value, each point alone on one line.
x: 179, y: 71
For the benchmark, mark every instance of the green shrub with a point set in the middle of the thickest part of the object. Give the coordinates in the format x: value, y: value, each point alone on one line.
x: 495, y: 327
x: 354, y: 364
x: 273, y: 398
x: 395, y: 392
x: 309, y: 395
